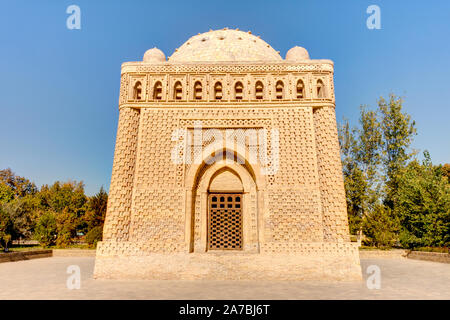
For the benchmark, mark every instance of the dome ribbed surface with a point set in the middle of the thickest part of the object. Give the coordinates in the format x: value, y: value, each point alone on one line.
x: 225, y: 45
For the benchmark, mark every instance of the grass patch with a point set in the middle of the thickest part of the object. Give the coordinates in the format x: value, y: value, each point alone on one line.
x: 74, y: 246
x: 433, y: 249
x: 30, y: 247
x: 25, y: 247
x: 373, y: 248
x: 365, y: 247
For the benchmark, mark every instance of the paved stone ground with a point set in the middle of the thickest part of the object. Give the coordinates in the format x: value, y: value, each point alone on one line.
x: 46, y: 279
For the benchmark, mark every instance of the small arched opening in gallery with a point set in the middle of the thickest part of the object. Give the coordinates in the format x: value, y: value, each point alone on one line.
x: 238, y: 90
x: 279, y: 89
x: 137, y: 91
x: 157, y: 91
x: 320, y: 89
x: 178, y: 91
x: 198, y: 93
x: 259, y: 90
x: 300, y: 89
x: 218, y: 91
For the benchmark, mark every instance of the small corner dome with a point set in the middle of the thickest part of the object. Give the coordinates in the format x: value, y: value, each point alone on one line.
x: 154, y: 55
x: 297, y: 53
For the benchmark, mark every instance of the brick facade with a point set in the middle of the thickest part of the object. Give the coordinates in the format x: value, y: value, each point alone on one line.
x: 293, y: 211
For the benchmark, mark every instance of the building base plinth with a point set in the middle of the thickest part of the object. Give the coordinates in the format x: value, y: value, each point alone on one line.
x: 317, y: 265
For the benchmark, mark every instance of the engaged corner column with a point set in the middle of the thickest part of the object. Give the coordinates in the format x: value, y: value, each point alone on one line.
x: 331, y: 181
x: 118, y: 213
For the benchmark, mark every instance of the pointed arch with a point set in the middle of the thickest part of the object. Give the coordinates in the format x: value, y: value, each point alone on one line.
x: 218, y: 95
x: 300, y: 89
x: 178, y: 91
x: 197, y: 206
x: 214, y: 153
x: 259, y: 90
x: 320, y: 89
x: 198, y: 90
x: 137, y: 91
x: 279, y: 89
x: 238, y: 91
x: 157, y: 91
x: 225, y: 180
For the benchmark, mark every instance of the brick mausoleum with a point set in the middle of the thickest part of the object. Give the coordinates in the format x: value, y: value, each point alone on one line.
x: 227, y: 166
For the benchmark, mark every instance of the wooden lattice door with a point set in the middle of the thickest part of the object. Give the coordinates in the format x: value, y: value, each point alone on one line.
x: 225, y: 221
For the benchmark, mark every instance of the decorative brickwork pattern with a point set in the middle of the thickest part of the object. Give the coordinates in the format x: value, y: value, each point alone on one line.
x: 294, y: 216
x: 158, y: 215
x: 331, y: 180
x: 155, y: 168
x: 297, y: 148
x: 290, y: 221
x: 119, y: 200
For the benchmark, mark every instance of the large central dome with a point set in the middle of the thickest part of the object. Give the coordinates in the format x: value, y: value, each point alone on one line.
x: 225, y: 45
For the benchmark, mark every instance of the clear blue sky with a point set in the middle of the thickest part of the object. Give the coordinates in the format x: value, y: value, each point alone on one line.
x: 60, y: 87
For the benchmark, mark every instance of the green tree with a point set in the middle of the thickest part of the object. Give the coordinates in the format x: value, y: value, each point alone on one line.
x: 373, y: 156
x: 24, y: 214
x: 354, y: 182
x: 96, y: 210
x: 423, y: 205
x: 63, y: 203
x: 6, y: 229
x: 46, y: 230
x: 66, y: 225
x: 69, y: 203
x: 20, y: 186
x: 360, y: 153
x: 398, y: 130
x: 368, y: 153
x: 68, y: 195
x: 446, y: 171
x: 94, y: 235
x: 6, y: 193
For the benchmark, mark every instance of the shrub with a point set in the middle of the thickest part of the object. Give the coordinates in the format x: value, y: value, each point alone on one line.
x: 94, y: 235
x: 380, y: 227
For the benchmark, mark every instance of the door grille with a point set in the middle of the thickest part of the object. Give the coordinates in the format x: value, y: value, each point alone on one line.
x: 225, y: 221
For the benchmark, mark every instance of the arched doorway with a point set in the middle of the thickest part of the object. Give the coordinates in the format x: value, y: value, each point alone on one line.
x: 203, y: 180
x: 225, y: 201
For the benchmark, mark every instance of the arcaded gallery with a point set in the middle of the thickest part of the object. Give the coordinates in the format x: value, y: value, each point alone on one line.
x: 227, y: 166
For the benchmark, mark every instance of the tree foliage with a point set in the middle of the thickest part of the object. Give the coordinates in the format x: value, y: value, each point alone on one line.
x: 391, y: 197
x: 24, y: 214
x: 446, y: 171
x: 6, y: 229
x: 380, y: 227
x: 423, y: 205
x: 64, y: 196
x: 96, y: 210
x: 360, y: 150
x: 54, y: 215
x: 94, y: 235
x: 354, y: 182
x: 398, y: 130
x: 46, y: 230
x: 20, y: 186
x: 6, y: 193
